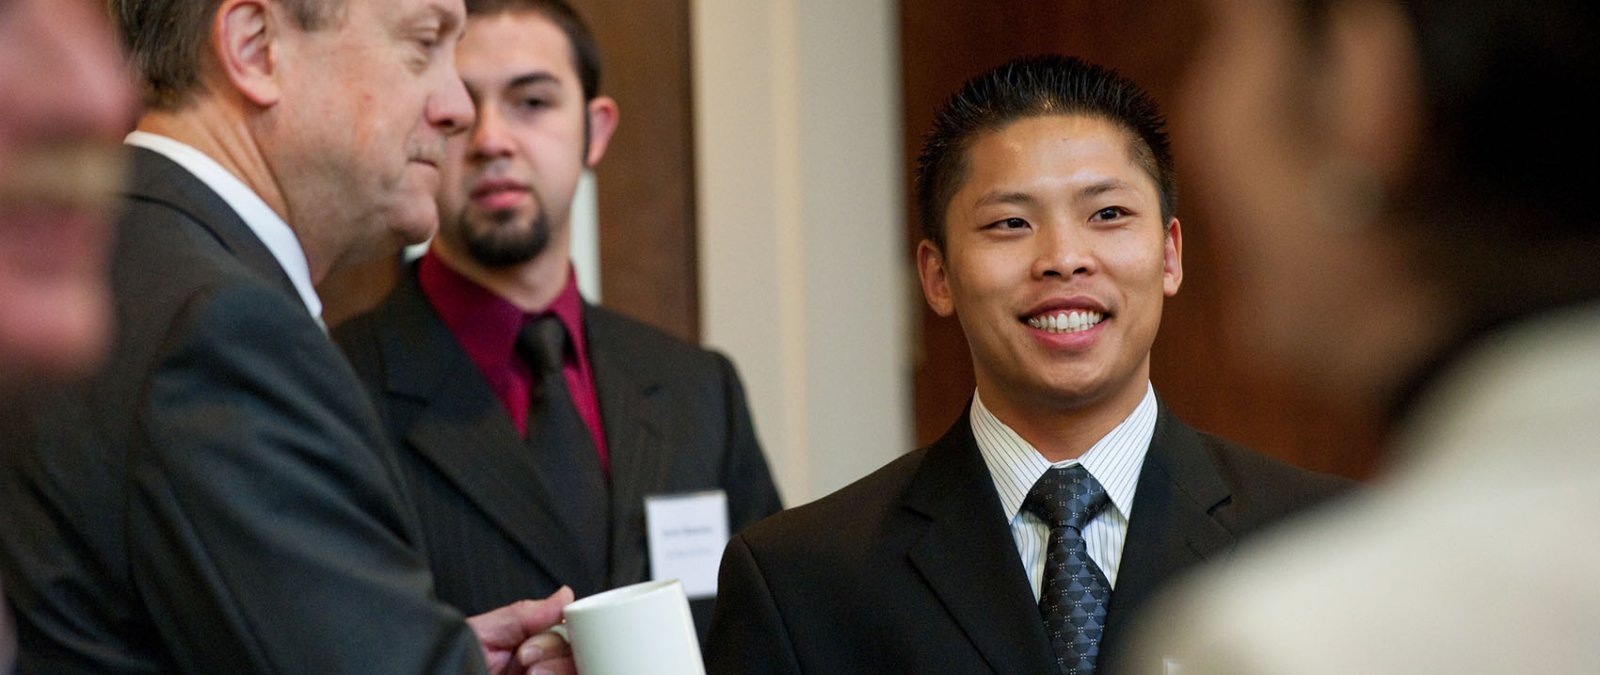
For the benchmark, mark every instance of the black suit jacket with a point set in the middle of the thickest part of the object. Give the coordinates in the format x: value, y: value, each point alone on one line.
x: 674, y: 417
x: 913, y: 569
x: 220, y: 499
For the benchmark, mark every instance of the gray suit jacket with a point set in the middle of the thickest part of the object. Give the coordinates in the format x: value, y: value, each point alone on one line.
x: 220, y: 499
x: 674, y: 416
x: 913, y: 569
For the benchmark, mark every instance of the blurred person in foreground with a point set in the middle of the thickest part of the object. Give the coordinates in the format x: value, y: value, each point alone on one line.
x: 1025, y: 538
x: 1407, y: 187
x: 532, y: 463
x: 219, y: 497
x: 64, y: 102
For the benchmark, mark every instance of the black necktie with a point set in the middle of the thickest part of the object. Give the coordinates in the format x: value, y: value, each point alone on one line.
x: 564, y: 451
x: 1073, y: 601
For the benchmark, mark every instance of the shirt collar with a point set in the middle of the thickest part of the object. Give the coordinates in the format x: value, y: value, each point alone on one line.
x: 267, y: 225
x: 1115, y: 460
x: 486, y: 324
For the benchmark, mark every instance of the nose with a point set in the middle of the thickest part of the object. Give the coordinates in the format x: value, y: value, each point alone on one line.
x: 490, y: 138
x: 65, y: 76
x: 450, y: 108
x: 1062, y: 251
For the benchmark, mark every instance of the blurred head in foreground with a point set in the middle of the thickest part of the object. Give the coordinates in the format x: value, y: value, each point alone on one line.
x: 1402, y: 184
x: 1393, y: 176
x: 64, y: 104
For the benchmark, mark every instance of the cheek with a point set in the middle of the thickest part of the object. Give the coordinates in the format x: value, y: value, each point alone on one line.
x: 554, y: 152
x: 452, y: 192
x: 981, y: 283
x: 1133, y: 258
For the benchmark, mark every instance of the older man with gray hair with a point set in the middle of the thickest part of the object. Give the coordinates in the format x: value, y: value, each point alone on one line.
x: 220, y: 498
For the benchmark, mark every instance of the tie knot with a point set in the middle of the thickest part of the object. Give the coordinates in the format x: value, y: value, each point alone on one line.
x: 542, y: 343
x: 1066, y: 497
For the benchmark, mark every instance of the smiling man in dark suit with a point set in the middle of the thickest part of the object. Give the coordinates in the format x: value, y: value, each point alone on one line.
x: 531, y: 461
x: 1022, y: 540
x: 219, y: 498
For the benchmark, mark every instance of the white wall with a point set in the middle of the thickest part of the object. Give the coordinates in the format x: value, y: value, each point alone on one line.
x: 586, y: 237
x: 804, y: 273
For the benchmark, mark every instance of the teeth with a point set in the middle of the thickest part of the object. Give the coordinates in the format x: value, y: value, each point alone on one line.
x: 1066, y: 322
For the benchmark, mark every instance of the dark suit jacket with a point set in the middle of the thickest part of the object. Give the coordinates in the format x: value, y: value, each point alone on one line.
x: 220, y: 499
x: 674, y: 417
x: 913, y: 569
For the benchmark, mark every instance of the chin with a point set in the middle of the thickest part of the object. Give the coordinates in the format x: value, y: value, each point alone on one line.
x: 417, y: 223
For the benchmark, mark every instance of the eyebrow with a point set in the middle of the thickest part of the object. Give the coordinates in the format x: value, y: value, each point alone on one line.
x: 1015, y: 198
x: 517, y: 83
x: 450, y: 23
x: 530, y: 79
x: 1102, y: 187
x: 1007, y: 197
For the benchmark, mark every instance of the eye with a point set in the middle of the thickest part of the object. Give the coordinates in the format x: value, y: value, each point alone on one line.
x: 532, y: 103
x: 428, y: 38
x: 427, y: 47
x: 1008, y: 224
x: 1109, y: 213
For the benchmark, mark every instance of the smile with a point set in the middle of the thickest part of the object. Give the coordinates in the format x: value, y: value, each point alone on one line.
x: 1066, y: 322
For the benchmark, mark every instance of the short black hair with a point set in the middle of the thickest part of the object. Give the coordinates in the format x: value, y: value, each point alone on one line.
x: 1034, y: 87
x: 585, y: 52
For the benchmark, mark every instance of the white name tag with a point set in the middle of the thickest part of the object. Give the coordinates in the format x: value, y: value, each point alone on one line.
x: 687, y: 535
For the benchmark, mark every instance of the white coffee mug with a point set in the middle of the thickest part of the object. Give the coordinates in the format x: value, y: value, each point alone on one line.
x: 642, y: 628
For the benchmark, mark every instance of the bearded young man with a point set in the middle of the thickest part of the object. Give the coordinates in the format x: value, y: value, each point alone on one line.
x: 532, y: 460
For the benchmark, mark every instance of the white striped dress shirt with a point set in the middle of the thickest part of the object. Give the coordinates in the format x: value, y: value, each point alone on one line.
x: 1114, y: 460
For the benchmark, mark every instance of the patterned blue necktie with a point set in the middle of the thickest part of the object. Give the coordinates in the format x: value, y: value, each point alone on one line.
x: 1073, y: 601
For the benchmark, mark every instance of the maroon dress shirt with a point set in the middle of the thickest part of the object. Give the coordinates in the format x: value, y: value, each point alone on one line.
x: 486, y: 326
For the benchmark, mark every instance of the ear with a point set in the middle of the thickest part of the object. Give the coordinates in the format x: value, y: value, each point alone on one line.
x: 1373, y: 87
x: 935, y: 278
x: 602, y: 113
x: 243, y: 39
x: 1172, y: 259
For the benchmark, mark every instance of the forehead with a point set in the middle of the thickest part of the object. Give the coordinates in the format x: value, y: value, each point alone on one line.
x: 1053, y: 149
x: 360, y: 12
x: 509, y: 45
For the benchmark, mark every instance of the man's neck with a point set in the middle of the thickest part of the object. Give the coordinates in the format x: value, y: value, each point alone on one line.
x: 531, y: 286
x: 221, y: 134
x: 1062, y: 430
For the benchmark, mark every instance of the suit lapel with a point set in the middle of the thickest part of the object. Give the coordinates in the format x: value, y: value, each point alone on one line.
x: 641, y: 462
x: 158, y: 179
x: 463, y: 431
x: 969, y: 558
x: 1171, y: 528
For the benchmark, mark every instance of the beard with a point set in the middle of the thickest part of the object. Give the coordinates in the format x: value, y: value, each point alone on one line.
x: 502, y: 241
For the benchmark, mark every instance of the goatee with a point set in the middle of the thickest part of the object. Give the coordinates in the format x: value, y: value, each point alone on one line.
x: 503, y: 243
